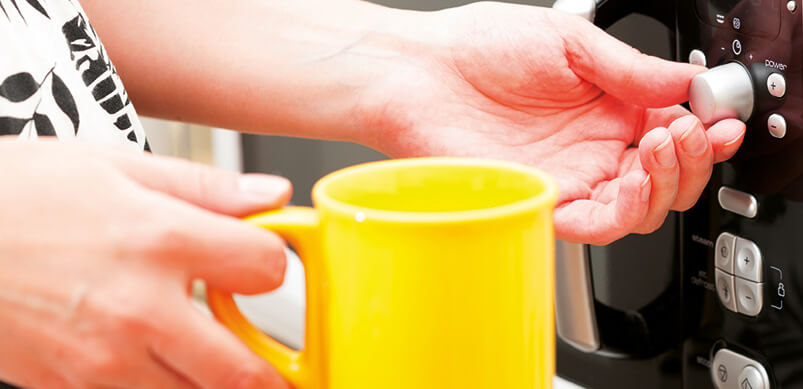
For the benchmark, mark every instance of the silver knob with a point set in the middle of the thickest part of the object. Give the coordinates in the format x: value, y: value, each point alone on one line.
x: 722, y: 92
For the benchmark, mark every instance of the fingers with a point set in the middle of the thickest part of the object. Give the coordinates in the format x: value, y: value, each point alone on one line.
x: 622, y: 71
x: 595, y: 222
x: 211, y: 356
x: 679, y: 161
x: 696, y: 160
x: 161, y: 375
x: 214, y: 189
x: 227, y: 253
x: 726, y: 136
x: 149, y: 373
x: 658, y: 157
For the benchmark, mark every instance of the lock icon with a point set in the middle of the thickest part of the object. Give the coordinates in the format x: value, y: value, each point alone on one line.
x: 781, y: 290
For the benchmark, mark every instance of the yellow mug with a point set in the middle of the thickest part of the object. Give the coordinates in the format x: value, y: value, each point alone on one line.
x: 420, y: 273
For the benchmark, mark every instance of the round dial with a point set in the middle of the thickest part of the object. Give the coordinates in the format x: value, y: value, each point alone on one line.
x: 722, y: 92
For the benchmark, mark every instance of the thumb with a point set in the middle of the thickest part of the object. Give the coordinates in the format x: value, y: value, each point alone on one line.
x: 213, y: 189
x: 623, y: 71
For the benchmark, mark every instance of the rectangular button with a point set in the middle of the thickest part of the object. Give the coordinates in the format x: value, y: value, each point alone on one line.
x: 724, y: 283
x: 747, y: 260
x: 723, y: 252
x: 737, y: 202
x: 749, y: 297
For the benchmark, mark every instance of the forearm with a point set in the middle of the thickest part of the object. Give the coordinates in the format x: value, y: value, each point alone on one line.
x: 301, y: 68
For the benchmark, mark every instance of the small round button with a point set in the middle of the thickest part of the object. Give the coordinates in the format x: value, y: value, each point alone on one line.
x: 697, y: 57
x: 776, y: 124
x: 776, y: 85
x: 751, y: 378
x: 791, y: 6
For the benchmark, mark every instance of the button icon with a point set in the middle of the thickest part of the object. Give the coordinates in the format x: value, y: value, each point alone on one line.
x: 724, y: 252
x: 748, y: 265
x: 725, y: 289
x: 776, y: 85
x: 753, y: 376
x: 749, y: 297
x: 737, y: 47
x: 777, y: 125
x: 737, y: 23
x: 722, y: 373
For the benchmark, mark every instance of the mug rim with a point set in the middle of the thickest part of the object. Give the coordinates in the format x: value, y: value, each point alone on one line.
x: 548, y: 196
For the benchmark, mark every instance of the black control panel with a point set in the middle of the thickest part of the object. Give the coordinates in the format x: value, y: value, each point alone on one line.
x: 734, y: 298
x: 742, y: 254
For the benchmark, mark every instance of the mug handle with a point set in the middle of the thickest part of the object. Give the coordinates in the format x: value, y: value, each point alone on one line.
x: 299, y: 227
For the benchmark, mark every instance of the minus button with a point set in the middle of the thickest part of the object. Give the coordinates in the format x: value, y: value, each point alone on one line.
x: 776, y: 124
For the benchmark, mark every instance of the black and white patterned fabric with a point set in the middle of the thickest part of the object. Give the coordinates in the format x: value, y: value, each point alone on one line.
x: 56, y: 78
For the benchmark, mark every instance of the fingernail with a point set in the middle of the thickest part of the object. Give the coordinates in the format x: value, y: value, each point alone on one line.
x: 645, y: 188
x: 736, y: 138
x: 263, y: 186
x: 664, y: 154
x: 693, y: 141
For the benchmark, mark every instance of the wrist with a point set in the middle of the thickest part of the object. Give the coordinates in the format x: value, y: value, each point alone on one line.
x: 387, y: 60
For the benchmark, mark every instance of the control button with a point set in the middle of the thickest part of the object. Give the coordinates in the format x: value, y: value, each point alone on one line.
x: 723, y: 252
x: 791, y: 6
x: 722, y: 92
x: 747, y: 260
x: 749, y: 297
x: 736, y: 46
x: 777, y: 125
x: 776, y: 85
x: 751, y: 378
x: 697, y: 57
x: 725, y: 288
x: 737, y: 23
x: 730, y: 370
x: 737, y: 202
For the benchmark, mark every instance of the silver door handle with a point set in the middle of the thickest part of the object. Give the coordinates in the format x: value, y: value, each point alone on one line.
x: 575, y: 319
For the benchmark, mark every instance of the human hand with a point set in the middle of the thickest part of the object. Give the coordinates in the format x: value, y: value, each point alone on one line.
x: 549, y: 89
x: 97, y: 250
